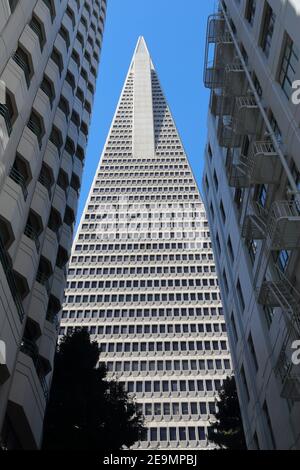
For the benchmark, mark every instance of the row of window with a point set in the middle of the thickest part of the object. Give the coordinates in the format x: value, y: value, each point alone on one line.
x: 144, y: 297
x: 164, y: 346
x: 168, y: 386
x: 148, y: 329
x: 145, y: 312
x: 157, y: 197
x: 169, y: 366
x: 155, y: 258
x: 141, y: 270
x: 143, y: 161
x: 148, y: 246
x: 173, y: 434
x: 176, y: 409
x: 142, y: 283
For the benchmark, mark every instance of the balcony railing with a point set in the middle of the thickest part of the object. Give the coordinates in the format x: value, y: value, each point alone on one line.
x: 30, y: 348
x: 4, y: 112
x: 10, y: 277
x: 254, y: 226
x: 31, y: 233
x: 18, y: 178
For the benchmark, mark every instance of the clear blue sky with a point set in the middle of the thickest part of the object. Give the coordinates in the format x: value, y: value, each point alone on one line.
x: 175, y: 34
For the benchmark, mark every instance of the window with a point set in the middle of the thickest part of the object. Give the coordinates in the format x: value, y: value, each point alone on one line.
x: 240, y: 294
x: 269, y: 423
x: 36, y: 125
x: 50, y: 6
x: 262, y: 195
x: 38, y: 28
x: 288, y: 66
x: 20, y: 174
x: 22, y: 59
x: 230, y: 249
x: 250, y: 11
x: 8, y: 111
x: 268, y: 29
x: 222, y: 212
x: 57, y: 59
x: 283, y: 257
x: 243, y: 377
x: 12, y: 5
x: 48, y: 89
x: 252, y: 350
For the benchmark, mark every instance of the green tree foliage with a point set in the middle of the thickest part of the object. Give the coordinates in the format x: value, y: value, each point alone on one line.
x: 227, y: 431
x: 86, y: 411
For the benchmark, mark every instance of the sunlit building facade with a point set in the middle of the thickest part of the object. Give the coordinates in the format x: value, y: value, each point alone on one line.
x: 251, y: 186
x: 142, y: 275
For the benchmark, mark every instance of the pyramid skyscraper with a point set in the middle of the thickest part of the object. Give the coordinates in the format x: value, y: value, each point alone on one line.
x: 142, y: 275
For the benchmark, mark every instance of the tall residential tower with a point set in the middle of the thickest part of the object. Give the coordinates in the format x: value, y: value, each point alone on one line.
x: 252, y: 187
x: 50, y: 52
x: 142, y: 275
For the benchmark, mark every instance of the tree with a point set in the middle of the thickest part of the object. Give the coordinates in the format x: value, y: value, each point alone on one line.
x: 86, y: 411
x: 227, y: 431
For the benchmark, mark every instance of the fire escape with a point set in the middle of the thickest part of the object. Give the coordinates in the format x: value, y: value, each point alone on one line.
x: 239, y: 114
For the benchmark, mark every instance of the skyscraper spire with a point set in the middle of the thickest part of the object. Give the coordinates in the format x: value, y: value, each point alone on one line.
x: 143, y: 122
x: 142, y: 276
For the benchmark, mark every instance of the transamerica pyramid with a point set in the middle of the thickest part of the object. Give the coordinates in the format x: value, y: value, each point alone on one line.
x: 142, y: 276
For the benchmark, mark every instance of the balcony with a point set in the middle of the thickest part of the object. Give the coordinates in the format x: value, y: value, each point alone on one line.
x: 283, y: 226
x: 219, y: 45
x: 264, y: 163
x: 235, y: 79
x: 226, y: 135
x: 246, y: 115
x: 288, y: 372
x: 221, y: 105
x: 260, y: 166
x: 280, y: 293
x: 254, y: 226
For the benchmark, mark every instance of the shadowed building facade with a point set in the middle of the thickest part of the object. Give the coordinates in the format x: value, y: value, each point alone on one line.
x: 50, y: 51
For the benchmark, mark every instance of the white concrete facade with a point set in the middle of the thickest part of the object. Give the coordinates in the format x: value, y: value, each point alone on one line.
x: 50, y: 51
x: 251, y: 185
x: 142, y: 275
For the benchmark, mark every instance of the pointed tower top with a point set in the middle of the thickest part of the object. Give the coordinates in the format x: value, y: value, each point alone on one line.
x: 141, y: 51
x: 141, y: 47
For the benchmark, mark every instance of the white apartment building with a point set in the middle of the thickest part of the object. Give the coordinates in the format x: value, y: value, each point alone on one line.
x: 50, y: 51
x: 142, y: 274
x: 251, y: 185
